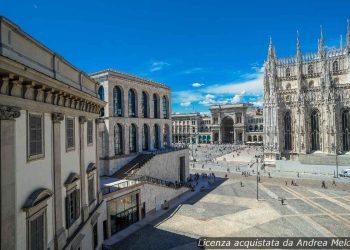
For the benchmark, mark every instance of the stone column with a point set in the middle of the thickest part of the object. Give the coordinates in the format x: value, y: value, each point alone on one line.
x: 85, y: 206
x: 60, y: 236
x: 8, y: 176
x: 99, y: 128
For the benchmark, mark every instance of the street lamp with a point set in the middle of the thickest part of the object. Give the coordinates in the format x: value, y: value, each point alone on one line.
x: 337, y: 152
x: 257, y: 176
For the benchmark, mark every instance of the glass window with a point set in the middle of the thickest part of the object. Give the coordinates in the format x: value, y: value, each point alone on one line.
x: 118, y: 139
x: 89, y: 132
x: 287, y: 132
x: 91, y: 189
x: 132, y: 138
x: 101, y: 93
x: 37, y: 233
x: 35, y: 135
x: 145, y: 137
x: 70, y: 140
x: 117, y: 101
x: 72, y: 207
x: 165, y: 108
x: 155, y: 106
x: 156, y: 136
x: 315, y: 131
x: 132, y: 103
x: 144, y: 104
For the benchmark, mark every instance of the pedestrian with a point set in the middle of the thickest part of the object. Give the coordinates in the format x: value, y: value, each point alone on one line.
x: 333, y: 184
x: 298, y: 175
x: 286, y: 183
x: 242, y: 184
x: 292, y: 183
x: 323, y: 184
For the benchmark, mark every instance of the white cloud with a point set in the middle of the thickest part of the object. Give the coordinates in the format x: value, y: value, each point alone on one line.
x: 193, y: 70
x: 185, y: 104
x: 159, y: 65
x: 197, y: 84
x: 236, y: 99
x: 208, y: 100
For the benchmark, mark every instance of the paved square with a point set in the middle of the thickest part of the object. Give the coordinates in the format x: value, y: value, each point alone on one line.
x: 231, y: 210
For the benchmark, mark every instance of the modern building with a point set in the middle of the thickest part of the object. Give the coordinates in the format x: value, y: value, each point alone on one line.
x: 50, y: 196
x: 307, y: 103
x: 191, y: 128
x: 236, y: 124
x: 140, y: 168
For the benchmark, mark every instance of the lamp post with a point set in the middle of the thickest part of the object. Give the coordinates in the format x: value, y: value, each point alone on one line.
x: 337, y: 152
x: 257, y: 176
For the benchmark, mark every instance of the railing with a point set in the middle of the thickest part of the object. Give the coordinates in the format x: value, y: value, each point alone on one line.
x: 119, y: 186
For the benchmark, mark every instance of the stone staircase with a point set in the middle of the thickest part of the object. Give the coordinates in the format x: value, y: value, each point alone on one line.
x: 132, y: 166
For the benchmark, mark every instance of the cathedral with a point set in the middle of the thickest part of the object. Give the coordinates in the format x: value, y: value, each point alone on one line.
x: 307, y: 103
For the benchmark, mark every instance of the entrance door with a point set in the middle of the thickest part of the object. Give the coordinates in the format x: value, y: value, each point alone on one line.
x: 227, y: 130
x: 182, y: 169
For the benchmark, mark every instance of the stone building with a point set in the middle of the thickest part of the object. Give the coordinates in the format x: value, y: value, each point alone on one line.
x: 50, y: 196
x: 191, y: 128
x: 236, y: 124
x: 307, y: 103
x: 140, y: 168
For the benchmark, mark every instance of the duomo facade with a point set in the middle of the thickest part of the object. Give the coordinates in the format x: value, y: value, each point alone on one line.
x: 307, y: 102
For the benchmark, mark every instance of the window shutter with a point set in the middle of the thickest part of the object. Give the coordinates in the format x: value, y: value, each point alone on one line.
x: 67, y: 212
x: 77, y: 203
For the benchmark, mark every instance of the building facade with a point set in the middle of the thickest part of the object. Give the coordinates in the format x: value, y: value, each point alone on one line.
x: 191, y: 128
x: 236, y: 124
x: 307, y: 102
x: 50, y: 195
x: 139, y: 165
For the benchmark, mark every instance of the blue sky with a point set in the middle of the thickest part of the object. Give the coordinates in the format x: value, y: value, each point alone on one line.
x: 207, y: 51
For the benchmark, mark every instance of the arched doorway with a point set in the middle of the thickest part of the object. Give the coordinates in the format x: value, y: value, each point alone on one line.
x: 227, y: 130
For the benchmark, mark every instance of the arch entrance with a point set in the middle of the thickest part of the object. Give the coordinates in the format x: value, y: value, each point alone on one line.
x: 227, y: 130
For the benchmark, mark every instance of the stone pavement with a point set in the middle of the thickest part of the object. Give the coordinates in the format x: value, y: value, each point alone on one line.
x: 232, y: 210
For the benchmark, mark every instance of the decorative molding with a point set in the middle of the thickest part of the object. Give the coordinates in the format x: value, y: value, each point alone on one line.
x: 82, y: 119
x: 99, y: 120
x: 57, y: 117
x: 9, y: 112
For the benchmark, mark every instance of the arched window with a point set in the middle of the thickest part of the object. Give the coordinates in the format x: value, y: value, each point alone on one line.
x: 310, y: 69
x: 155, y: 106
x: 255, y: 138
x: 156, y: 137
x: 311, y: 84
x: 260, y: 138
x: 250, y: 128
x: 133, y: 138
x: 117, y: 101
x: 238, y: 118
x: 287, y: 72
x: 145, y: 137
x: 165, y: 108
x: 315, y: 131
x: 101, y: 93
x: 132, y: 103
x: 261, y: 127
x: 335, y: 66
x: 144, y: 104
x: 346, y: 130
x: 166, y: 136
x: 249, y: 138
x: 287, y: 131
x: 118, y: 139
x: 256, y: 128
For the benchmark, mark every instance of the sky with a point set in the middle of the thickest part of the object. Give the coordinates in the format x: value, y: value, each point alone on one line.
x: 207, y: 51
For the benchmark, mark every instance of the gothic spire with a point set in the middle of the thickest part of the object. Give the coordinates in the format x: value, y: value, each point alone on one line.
x: 348, y: 35
x: 321, y: 44
x: 298, y: 49
x: 341, y: 42
x: 271, y: 54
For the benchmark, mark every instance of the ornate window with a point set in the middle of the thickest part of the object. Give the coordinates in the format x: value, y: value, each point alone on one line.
x: 133, y: 138
x: 118, y: 139
x: 288, y: 86
x: 101, y: 93
x: 346, y: 130
x: 287, y: 131
x: 72, y: 207
x: 335, y: 66
x: 132, y: 103
x: 165, y: 108
x: 144, y: 104
x: 315, y: 131
x: 256, y: 128
x: 310, y: 69
x: 145, y: 137
x: 311, y: 84
x: 155, y: 106
x: 117, y: 101
x: 156, y: 136
x: 287, y: 72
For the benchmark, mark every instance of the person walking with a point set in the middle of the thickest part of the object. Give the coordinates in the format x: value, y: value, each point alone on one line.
x: 333, y: 183
x: 323, y: 184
